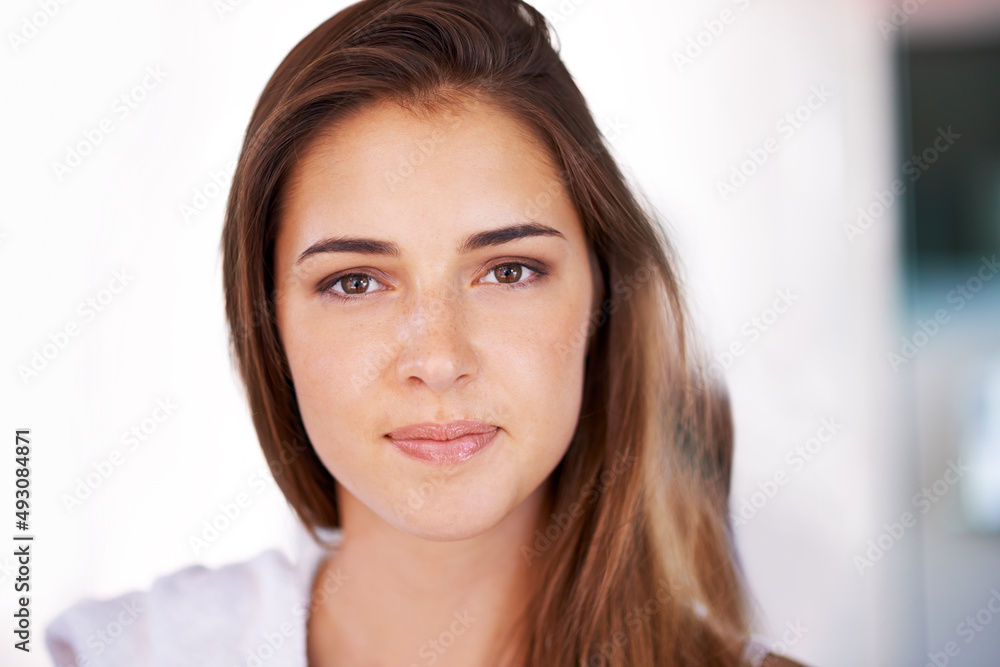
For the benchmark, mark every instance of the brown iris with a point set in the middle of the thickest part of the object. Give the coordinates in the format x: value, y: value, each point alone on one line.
x: 356, y: 284
x: 507, y: 273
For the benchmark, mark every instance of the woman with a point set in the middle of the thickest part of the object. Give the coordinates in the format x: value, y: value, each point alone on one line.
x: 463, y: 343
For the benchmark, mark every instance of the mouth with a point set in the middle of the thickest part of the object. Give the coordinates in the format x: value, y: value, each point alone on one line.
x: 452, y: 442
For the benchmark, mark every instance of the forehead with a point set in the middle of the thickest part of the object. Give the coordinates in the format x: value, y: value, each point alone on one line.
x: 388, y: 169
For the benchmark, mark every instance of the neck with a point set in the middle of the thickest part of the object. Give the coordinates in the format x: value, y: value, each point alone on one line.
x: 406, y: 599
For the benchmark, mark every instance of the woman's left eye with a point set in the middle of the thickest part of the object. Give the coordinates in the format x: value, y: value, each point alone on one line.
x: 509, y: 273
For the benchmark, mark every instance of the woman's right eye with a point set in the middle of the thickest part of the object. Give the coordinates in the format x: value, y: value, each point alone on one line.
x: 352, y: 285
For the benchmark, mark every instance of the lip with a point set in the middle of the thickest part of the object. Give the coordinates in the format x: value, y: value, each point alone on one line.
x: 452, y: 442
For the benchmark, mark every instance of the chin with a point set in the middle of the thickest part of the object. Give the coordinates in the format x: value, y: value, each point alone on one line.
x: 451, y: 514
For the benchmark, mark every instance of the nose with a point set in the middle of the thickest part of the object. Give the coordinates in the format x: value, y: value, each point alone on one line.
x: 436, y: 348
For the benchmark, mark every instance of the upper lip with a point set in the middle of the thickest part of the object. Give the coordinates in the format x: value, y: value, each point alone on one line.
x: 443, y: 432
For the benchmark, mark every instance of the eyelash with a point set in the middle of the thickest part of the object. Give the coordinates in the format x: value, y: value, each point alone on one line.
x: 326, y: 287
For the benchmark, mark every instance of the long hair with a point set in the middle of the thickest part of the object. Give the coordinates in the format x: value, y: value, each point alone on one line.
x: 634, y: 552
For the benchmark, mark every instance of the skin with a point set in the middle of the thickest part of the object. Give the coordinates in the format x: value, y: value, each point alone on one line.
x: 433, y: 336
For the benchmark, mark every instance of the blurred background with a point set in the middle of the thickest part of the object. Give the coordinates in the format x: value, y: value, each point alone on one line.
x: 829, y: 170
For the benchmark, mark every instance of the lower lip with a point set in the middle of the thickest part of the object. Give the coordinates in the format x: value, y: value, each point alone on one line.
x: 446, y: 451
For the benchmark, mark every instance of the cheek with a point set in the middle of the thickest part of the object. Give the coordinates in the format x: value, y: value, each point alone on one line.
x: 322, y: 350
x: 336, y: 369
x: 333, y: 367
x: 537, y: 359
x: 549, y: 354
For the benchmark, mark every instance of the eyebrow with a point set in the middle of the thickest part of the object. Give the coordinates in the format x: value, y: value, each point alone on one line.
x: 492, y: 237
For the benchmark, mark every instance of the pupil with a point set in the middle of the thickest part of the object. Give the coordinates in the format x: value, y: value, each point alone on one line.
x: 355, y: 284
x: 509, y: 273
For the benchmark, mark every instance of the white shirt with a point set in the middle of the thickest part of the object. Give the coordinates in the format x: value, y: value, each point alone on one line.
x: 249, y: 614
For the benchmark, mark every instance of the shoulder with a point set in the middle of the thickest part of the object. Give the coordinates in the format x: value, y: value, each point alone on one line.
x: 195, y: 616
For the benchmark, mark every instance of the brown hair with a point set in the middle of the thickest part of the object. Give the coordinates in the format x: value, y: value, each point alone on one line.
x: 639, y: 565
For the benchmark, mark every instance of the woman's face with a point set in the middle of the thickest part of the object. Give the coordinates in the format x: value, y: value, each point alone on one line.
x: 431, y: 270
